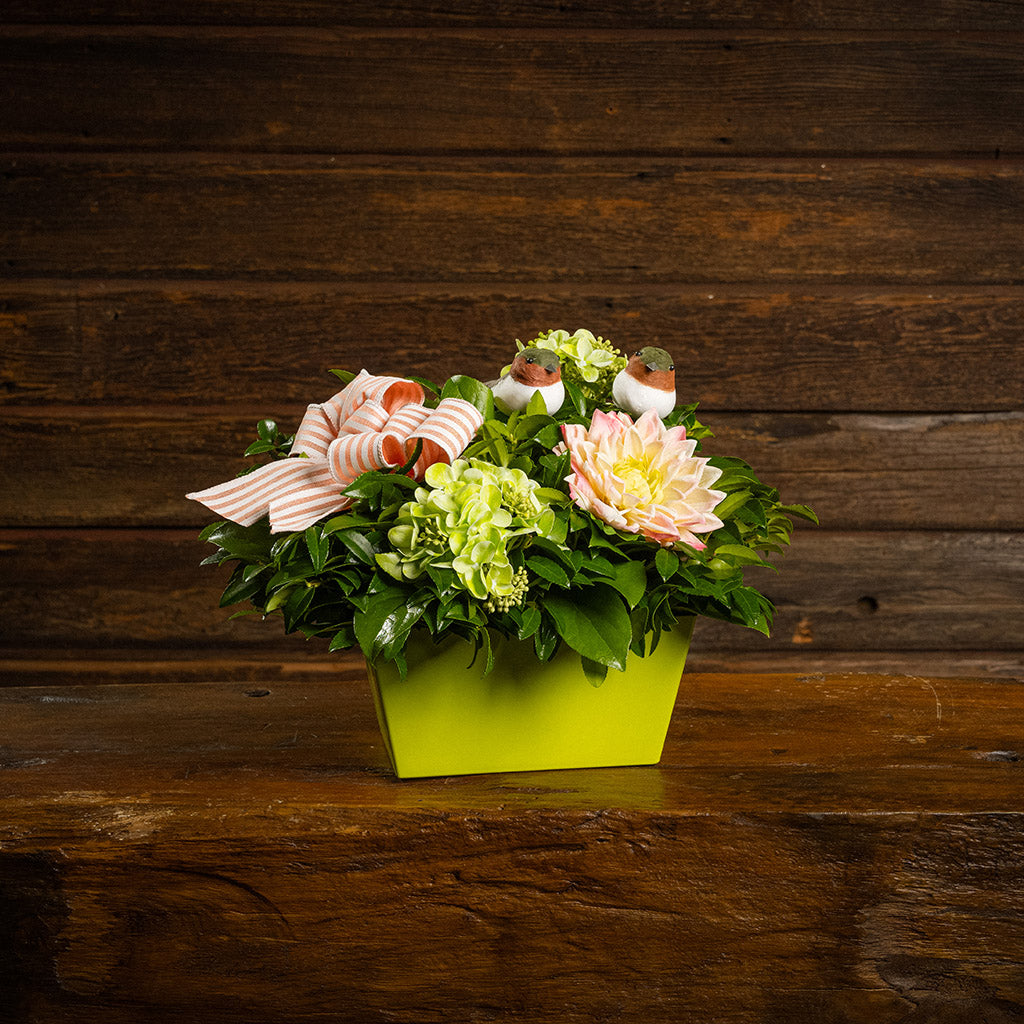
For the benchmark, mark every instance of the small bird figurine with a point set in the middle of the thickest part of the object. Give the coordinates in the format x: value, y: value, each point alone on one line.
x: 647, y: 382
x: 533, y: 370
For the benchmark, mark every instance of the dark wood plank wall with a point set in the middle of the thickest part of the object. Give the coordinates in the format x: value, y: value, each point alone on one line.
x: 817, y: 206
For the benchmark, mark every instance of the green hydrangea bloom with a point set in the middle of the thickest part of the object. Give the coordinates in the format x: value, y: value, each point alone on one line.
x: 465, y: 519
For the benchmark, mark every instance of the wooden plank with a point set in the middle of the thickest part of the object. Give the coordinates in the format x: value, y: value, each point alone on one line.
x: 593, y: 220
x: 808, y: 349
x: 838, y: 591
x: 870, y: 15
x: 299, y: 90
x: 132, y: 467
x: 834, y: 725
x: 260, y: 668
x: 811, y: 849
x: 886, y: 472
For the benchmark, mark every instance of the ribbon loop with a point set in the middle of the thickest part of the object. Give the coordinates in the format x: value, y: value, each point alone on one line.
x: 372, y: 423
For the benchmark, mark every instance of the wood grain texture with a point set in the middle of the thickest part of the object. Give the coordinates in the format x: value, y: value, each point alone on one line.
x: 869, y: 15
x: 845, y: 591
x: 304, y: 662
x: 341, y: 91
x: 204, y: 343
x: 844, y: 848
x: 132, y: 467
x: 621, y: 220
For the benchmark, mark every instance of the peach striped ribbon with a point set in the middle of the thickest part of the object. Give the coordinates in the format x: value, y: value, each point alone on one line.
x: 373, y: 423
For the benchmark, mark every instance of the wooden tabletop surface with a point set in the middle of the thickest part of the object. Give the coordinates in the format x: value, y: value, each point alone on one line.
x: 738, y: 743
x: 811, y: 849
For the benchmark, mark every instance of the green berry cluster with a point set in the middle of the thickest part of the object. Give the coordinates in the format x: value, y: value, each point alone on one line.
x: 519, y: 587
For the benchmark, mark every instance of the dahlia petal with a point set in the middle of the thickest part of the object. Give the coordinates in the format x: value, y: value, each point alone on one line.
x: 604, y: 425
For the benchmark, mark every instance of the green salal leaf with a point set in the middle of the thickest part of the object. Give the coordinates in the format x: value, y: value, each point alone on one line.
x: 553, y: 550
x: 630, y: 580
x: 296, y: 607
x: 801, y: 512
x: 740, y: 555
x: 749, y: 606
x: 576, y: 397
x: 548, y: 570
x: 343, y: 639
x: 548, y: 437
x: 207, y: 531
x: 473, y: 391
x: 345, y: 376
x: 240, y: 587
x: 593, y: 621
x: 427, y: 385
x: 666, y: 562
x: 488, y: 647
x: 380, y: 621
x: 551, y: 495
x: 729, y: 505
x: 595, y: 672
x: 358, y: 545
x: 318, y: 546
x: 536, y: 405
x: 277, y: 599
x: 599, y: 565
x: 545, y: 640
x: 259, y: 448
x: 243, y: 542
x: 346, y: 521
x: 530, y: 425
x: 529, y: 622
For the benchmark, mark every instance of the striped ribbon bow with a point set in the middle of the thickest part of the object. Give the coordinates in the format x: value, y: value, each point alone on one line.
x: 373, y: 423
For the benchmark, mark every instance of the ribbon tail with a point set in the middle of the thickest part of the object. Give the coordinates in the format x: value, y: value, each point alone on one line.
x: 246, y: 499
x: 315, y: 495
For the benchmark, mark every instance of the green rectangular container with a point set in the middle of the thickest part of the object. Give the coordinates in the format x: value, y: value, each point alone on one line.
x: 448, y: 718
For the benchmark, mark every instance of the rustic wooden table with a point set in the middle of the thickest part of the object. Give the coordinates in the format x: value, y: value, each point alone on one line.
x: 812, y: 849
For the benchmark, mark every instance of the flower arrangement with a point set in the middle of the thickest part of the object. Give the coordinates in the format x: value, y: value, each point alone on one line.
x: 567, y: 503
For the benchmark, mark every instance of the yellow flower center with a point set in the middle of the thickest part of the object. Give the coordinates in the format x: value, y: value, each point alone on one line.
x: 641, y: 480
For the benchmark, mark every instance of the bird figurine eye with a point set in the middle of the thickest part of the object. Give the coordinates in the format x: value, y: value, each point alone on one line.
x: 529, y: 359
x: 637, y: 352
x: 671, y: 366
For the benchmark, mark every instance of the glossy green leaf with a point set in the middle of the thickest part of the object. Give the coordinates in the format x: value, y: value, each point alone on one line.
x: 358, y: 545
x: 318, y: 546
x: 630, y: 580
x: 536, y: 405
x: 728, y: 506
x: 529, y: 619
x: 593, y: 621
x: 244, y: 542
x: 595, y: 672
x: 738, y: 554
x: 240, y: 588
x: 376, y: 625
x: 548, y: 570
x: 575, y: 398
x: 801, y: 512
x: 473, y: 391
x: 666, y: 562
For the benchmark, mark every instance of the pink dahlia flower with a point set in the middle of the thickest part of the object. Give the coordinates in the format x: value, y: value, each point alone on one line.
x: 642, y: 477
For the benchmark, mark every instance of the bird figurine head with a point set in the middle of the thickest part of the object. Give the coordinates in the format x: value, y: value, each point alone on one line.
x: 533, y: 370
x: 647, y: 382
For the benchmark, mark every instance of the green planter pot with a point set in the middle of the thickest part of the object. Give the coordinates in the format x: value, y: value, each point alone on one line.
x: 446, y: 718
